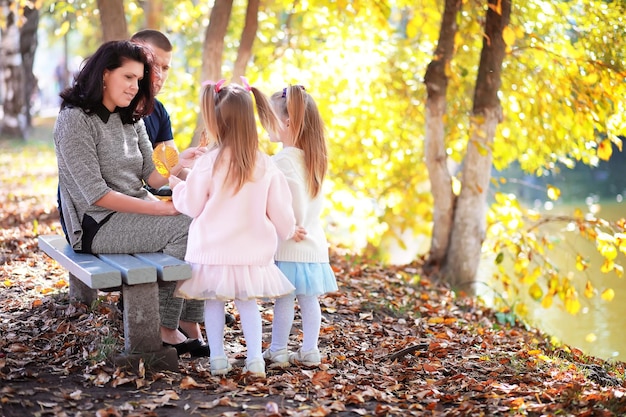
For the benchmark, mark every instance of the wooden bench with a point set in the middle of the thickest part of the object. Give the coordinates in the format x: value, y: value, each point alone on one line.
x: 137, y: 277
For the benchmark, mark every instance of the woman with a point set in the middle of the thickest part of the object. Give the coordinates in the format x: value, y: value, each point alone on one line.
x: 104, y: 157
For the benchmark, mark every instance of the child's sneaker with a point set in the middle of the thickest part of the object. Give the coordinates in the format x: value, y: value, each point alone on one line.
x: 278, y: 359
x: 256, y: 367
x: 309, y: 358
x: 220, y: 365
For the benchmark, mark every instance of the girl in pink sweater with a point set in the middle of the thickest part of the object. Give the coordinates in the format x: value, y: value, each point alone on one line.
x: 241, y: 205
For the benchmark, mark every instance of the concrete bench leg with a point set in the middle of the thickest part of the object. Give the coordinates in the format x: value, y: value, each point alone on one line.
x: 142, y: 337
x: 81, y: 292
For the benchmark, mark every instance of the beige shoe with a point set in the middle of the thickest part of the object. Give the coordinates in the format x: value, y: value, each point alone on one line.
x: 309, y: 358
x: 256, y: 367
x: 220, y: 365
x: 278, y: 359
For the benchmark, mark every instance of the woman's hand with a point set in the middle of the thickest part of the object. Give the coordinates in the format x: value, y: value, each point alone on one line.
x: 299, y: 234
x: 164, y: 208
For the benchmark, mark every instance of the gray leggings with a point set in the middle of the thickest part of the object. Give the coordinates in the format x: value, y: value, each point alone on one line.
x: 134, y: 233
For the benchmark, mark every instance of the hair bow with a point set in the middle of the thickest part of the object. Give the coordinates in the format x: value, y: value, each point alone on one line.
x: 218, y: 85
x: 245, y: 83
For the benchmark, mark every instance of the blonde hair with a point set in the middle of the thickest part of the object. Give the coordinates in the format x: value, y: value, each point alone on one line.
x: 228, y: 115
x: 307, y: 130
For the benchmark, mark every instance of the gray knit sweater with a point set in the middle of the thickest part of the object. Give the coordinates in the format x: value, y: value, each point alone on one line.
x: 96, y: 154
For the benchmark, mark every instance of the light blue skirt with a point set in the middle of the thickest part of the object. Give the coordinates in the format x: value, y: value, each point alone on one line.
x: 309, y: 278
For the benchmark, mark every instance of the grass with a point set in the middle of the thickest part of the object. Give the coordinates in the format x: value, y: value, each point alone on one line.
x: 30, y: 164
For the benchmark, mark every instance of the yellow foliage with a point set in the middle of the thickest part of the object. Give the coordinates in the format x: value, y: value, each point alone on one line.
x: 535, y: 292
x: 581, y: 264
x: 608, y: 294
x: 547, y: 301
x: 553, y: 192
x: 607, y: 266
x: 605, y: 150
x: 589, y: 289
x: 591, y: 338
x: 572, y: 305
x: 606, y: 246
x: 508, y: 35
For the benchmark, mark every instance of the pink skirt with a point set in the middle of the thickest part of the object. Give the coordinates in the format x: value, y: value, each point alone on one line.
x: 233, y: 282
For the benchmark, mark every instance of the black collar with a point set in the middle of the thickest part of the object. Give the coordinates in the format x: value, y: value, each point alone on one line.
x: 103, y: 113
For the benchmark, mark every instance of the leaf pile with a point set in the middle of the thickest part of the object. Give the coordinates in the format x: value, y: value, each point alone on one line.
x: 394, y: 343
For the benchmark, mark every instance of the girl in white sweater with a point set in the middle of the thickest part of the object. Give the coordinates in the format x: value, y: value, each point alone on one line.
x: 304, y: 162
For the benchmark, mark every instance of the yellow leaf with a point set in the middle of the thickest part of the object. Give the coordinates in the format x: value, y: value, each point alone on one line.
x: 165, y: 158
x: 508, y: 35
x: 607, y: 266
x: 553, y: 192
x: 590, y: 338
x: 8, y: 283
x: 588, y: 290
x: 581, y: 264
x: 547, y: 301
x: 413, y: 26
x: 435, y: 320
x: 497, y: 7
x: 60, y: 284
x: 605, y: 150
x: 535, y: 292
x: 608, y: 294
x: 572, y: 306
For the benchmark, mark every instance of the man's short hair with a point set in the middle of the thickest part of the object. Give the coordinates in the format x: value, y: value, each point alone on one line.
x: 154, y: 38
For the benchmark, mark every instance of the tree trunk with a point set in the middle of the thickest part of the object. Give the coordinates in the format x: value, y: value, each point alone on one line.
x: 468, y: 231
x: 113, y: 20
x: 434, y: 143
x: 247, y: 39
x: 213, y: 49
x: 154, y: 13
x: 214, y: 40
x: 12, y: 72
x: 28, y: 46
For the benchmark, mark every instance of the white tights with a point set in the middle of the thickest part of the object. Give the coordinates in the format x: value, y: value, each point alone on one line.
x: 311, y: 314
x: 250, y: 323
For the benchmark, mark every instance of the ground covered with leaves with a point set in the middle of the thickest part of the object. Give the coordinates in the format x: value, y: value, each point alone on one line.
x: 394, y: 343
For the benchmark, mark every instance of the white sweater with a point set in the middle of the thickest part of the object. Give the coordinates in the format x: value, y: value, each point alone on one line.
x: 314, y: 248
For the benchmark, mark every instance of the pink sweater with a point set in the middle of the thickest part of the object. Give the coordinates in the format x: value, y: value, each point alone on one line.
x: 240, y: 229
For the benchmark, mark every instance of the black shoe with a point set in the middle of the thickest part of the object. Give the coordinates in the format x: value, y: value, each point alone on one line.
x: 201, y: 351
x: 229, y: 319
x: 188, y: 346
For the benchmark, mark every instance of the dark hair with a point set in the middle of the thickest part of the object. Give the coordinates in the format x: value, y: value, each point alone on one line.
x: 154, y: 38
x: 87, y: 90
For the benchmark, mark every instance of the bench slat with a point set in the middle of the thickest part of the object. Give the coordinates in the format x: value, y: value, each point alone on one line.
x: 92, y: 271
x: 133, y: 270
x: 168, y: 268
